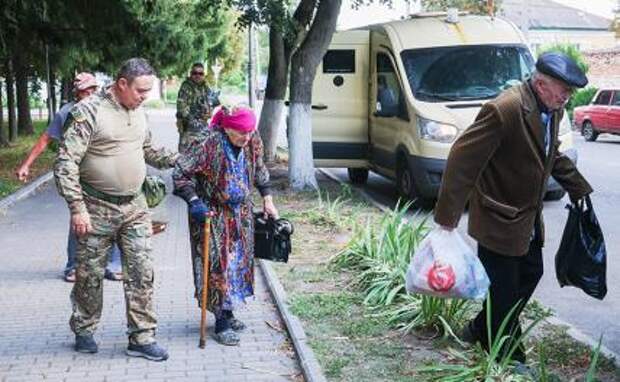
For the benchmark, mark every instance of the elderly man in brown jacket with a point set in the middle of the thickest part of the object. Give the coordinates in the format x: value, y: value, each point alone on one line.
x: 501, y: 165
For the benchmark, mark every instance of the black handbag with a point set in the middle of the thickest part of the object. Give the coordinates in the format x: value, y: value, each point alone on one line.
x: 272, y: 238
x: 581, y: 260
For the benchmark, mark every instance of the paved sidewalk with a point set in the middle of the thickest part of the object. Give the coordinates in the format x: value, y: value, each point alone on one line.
x: 35, y: 339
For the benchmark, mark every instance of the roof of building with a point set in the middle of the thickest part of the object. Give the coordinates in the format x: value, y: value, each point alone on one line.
x: 547, y: 14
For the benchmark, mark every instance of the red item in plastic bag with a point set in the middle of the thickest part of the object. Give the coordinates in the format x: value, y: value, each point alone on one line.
x: 441, y: 277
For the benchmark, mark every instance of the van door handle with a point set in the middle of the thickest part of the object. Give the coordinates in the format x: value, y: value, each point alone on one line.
x: 319, y: 107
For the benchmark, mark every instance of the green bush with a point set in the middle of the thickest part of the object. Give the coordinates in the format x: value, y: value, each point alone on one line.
x: 581, y: 97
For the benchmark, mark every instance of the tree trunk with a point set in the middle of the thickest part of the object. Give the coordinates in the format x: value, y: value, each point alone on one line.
x: 53, y: 92
x: 300, y: 163
x: 162, y: 90
x: 24, y: 121
x: 271, y: 116
x: 48, y: 78
x: 4, y: 138
x: 303, y: 68
x: 66, y: 88
x: 10, y: 101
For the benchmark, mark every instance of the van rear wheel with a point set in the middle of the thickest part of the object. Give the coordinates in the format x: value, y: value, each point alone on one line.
x: 407, y: 189
x: 358, y: 175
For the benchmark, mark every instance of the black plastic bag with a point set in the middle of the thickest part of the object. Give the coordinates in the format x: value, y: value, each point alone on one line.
x: 272, y: 238
x: 581, y: 260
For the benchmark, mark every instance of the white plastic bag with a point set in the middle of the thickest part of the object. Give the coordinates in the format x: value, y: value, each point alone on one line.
x: 445, y: 266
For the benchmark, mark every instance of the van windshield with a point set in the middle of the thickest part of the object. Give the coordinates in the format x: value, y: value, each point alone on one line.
x: 465, y: 72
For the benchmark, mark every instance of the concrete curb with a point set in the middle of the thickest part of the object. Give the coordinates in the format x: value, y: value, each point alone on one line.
x: 25, y: 191
x: 307, y: 361
x: 572, y: 331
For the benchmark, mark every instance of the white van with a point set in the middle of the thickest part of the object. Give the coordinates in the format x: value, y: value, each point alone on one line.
x: 393, y: 97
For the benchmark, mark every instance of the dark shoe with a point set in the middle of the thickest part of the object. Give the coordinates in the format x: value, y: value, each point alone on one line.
x: 85, y: 344
x: 233, y: 323
x: 151, y: 352
x: 70, y: 276
x: 113, y: 276
x: 236, y: 325
x: 227, y: 337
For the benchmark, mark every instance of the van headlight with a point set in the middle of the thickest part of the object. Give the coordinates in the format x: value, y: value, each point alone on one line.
x: 436, y: 131
x: 564, y: 125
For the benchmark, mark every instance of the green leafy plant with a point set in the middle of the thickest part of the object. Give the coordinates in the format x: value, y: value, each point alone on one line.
x: 591, y: 373
x: 413, y: 311
x: 380, y: 255
x: 481, y: 365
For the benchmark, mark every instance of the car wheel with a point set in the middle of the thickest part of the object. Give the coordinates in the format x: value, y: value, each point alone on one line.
x: 555, y: 195
x: 407, y: 189
x: 588, y: 131
x: 358, y: 175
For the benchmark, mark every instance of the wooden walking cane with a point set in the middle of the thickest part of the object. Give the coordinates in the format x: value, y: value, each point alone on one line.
x: 205, y: 281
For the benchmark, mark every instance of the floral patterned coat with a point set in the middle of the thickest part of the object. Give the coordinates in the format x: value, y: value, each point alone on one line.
x: 223, y: 178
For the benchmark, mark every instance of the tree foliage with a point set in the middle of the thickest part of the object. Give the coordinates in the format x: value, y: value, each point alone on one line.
x: 480, y: 7
x: 97, y: 35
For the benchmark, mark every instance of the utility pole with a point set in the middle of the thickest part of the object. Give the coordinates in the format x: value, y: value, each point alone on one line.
x: 252, y: 66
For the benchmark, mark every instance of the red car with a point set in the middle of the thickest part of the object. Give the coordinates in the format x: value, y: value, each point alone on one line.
x: 602, y: 115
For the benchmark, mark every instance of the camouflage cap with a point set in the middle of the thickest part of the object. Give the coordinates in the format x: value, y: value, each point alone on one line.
x: 84, y: 81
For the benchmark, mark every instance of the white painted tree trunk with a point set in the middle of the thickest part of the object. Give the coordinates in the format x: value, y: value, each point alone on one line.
x: 300, y: 164
x: 270, y: 126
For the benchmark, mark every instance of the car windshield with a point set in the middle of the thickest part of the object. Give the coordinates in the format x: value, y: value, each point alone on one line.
x: 465, y: 72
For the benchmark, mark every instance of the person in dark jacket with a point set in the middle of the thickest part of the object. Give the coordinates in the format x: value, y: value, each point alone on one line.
x: 501, y: 165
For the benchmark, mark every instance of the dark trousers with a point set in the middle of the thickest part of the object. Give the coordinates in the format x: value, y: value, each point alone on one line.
x: 513, y: 280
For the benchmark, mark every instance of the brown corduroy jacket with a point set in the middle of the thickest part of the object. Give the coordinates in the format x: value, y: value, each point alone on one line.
x: 500, y: 166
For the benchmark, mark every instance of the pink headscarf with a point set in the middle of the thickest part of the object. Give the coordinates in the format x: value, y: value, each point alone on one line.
x: 241, y: 119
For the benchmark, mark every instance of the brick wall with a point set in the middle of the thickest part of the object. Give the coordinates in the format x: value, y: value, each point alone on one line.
x: 604, y: 67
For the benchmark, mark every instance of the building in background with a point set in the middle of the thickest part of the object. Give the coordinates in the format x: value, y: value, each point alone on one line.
x: 545, y: 22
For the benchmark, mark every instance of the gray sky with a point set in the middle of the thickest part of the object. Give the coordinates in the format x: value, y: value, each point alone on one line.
x: 373, y: 14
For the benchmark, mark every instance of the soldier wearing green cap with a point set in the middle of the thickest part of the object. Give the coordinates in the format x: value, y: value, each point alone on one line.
x: 195, y: 103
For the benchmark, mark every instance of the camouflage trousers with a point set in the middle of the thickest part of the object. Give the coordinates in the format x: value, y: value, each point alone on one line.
x: 130, y: 226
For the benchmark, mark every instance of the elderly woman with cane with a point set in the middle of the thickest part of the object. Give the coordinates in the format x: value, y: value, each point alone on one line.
x: 215, y: 176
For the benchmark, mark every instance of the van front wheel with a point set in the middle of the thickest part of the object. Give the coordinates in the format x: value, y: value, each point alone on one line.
x: 358, y: 175
x: 407, y: 188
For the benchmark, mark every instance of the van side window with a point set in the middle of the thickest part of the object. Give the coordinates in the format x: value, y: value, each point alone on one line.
x: 603, y: 98
x: 390, y: 101
x: 339, y: 61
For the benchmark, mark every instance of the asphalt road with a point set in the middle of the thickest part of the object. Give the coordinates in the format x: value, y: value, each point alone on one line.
x: 599, y: 162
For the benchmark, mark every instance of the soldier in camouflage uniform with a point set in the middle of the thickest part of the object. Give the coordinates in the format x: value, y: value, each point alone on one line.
x: 195, y: 103
x: 99, y: 171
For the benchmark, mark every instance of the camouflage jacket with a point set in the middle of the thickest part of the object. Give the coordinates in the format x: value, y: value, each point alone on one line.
x: 195, y: 103
x: 88, y: 138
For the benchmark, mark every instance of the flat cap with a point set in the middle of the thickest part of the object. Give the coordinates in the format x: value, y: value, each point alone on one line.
x: 561, y: 67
